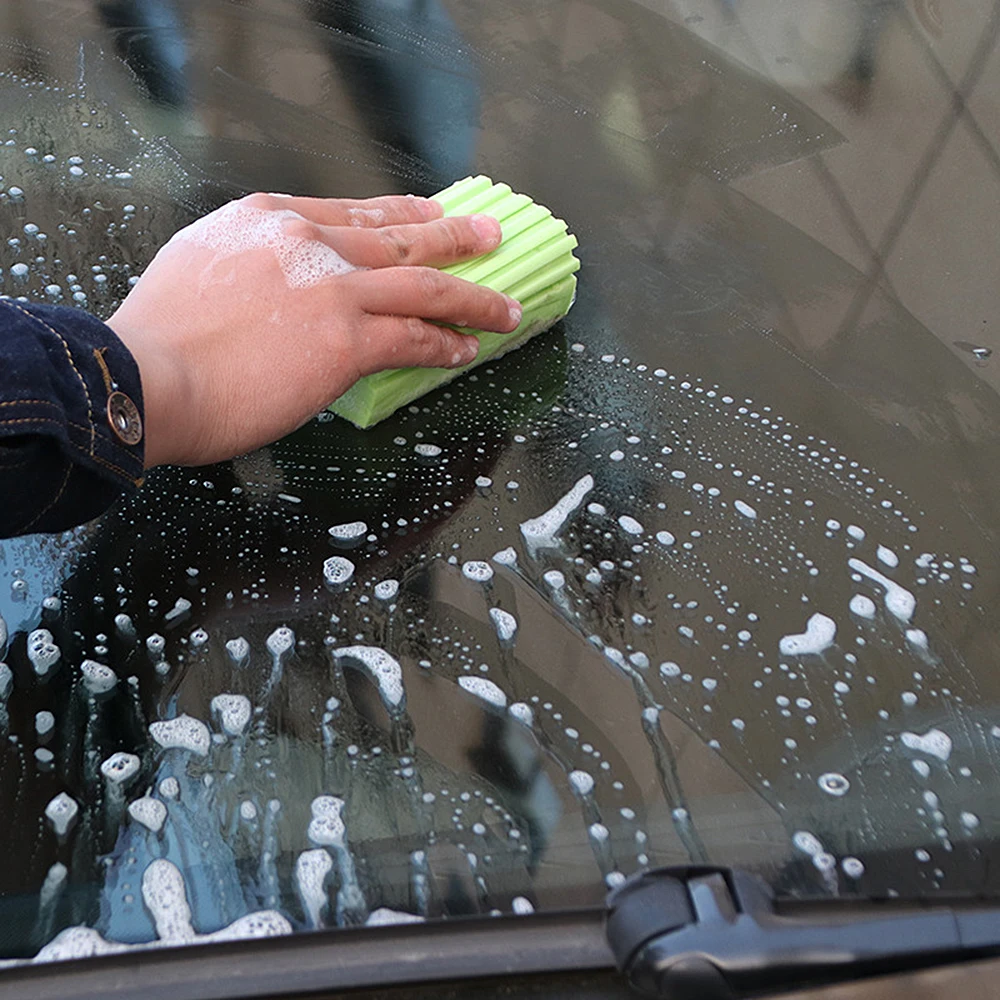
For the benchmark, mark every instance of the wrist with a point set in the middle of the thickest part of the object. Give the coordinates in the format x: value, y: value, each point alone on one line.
x: 165, y: 396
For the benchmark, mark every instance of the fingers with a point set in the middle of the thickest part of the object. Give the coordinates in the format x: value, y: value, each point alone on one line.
x: 432, y: 295
x: 364, y: 213
x: 407, y: 342
x: 443, y: 241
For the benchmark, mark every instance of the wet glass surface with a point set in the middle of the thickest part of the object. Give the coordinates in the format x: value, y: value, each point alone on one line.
x: 708, y: 572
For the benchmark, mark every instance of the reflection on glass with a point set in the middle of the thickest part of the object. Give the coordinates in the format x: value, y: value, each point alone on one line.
x: 642, y: 593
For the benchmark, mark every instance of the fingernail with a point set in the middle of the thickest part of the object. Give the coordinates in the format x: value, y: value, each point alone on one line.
x: 486, y: 227
x: 468, y: 353
x: 514, y: 308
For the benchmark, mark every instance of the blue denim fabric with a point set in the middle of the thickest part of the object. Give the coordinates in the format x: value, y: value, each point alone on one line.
x: 61, y: 463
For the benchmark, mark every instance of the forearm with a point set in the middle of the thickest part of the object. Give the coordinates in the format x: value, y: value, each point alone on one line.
x: 71, y: 437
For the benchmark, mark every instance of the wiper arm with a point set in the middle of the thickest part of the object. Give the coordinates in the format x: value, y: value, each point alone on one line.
x: 701, y: 933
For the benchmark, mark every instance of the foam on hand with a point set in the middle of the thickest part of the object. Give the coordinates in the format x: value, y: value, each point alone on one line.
x: 238, y: 228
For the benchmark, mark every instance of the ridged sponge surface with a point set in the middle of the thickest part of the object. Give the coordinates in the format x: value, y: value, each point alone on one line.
x: 534, y: 263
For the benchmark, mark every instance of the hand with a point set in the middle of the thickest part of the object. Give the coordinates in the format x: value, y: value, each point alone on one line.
x: 259, y: 315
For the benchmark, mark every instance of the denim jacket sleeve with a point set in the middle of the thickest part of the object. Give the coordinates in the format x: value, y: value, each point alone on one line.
x: 70, y: 418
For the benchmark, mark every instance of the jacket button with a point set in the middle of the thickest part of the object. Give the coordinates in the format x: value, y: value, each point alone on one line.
x: 123, y: 415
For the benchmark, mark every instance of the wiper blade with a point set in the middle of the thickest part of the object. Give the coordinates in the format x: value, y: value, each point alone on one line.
x: 701, y: 933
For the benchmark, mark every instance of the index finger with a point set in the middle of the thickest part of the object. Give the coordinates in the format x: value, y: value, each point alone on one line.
x: 429, y: 294
x: 363, y: 213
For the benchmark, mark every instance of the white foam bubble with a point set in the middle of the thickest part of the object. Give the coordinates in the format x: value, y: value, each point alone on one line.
x: 233, y: 712
x: 482, y: 688
x: 311, y: 870
x: 834, y: 784
x: 238, y: 228
x: 42, y: 651
x: 170, y: 788
x: 505, y: 624
x: 630, y: 525
x: 477, y: 571
x: 521, y: 906
x: 77, y: 942
x: 599, y: 833
x: 522, y: 712
x: 383, y: 916
x: 97, y: 677
x: 541, y: 532
x: 665, y: 538
x: 326, y: 828
x: 819, y: 635
x: 382, y: 668
x: 887, y: 556
x: 44, y: 722
x: 150, y: 812
x: 934, y: 742
x: 337, y: 570
x: 506, y: 557
x: 120, y: 768
x: 862, y: 606
x: 898, y: 601
x: 61, y: 812
x: 386, y: 590
x: 281, y: 641
x: 182, y: 733
x: 352, y: 531
x: 745, y: 509
x: 582, y: 782
x: 807, y: 842
x: 238, y: 650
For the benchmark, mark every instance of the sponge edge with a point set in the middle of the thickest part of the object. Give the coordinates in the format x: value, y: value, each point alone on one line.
x: 534, y: 264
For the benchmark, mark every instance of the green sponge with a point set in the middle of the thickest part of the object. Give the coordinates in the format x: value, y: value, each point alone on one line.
x: 534, y: 264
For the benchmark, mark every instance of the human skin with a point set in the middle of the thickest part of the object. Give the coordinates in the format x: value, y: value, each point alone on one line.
x: 231, y: 356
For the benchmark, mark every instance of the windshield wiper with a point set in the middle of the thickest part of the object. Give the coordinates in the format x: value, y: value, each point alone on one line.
x: 701, y: 933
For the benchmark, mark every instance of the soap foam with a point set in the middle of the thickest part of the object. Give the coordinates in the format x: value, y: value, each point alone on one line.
x: 182, y: 733
x: 238, y: 228
x: 120, y: 768
x: 383, y: 669
x: 505, y: 624
x: 61, y: 812
x: 233, y: 712
x: 933, y: 742
x: 819, y: 635
x: 327, y: 829
x: 898, y: 601
x: 482, y: 688
x: 383, y: 916
x: 311, y: 870
x: 150, y: 812
x: 540, y: 532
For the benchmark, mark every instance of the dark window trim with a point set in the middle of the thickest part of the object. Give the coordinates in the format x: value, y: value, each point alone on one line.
x: 312, y: 962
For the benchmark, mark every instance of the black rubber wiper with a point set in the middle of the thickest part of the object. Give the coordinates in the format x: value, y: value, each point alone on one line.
x: 717, y: 934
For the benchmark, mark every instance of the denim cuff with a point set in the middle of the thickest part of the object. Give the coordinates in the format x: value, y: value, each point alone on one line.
x: 70, y: 415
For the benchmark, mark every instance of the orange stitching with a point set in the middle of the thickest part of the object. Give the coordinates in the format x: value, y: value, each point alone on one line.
x: 108, y: 380
x: 52, y: 503
x: 55, y: 406
x: 96, y: 458
x: 29, y: 420
x: 110, y: 465
x: 69, y: 355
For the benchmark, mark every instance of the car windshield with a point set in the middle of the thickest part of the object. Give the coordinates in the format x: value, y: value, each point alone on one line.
x: 704, y: 574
